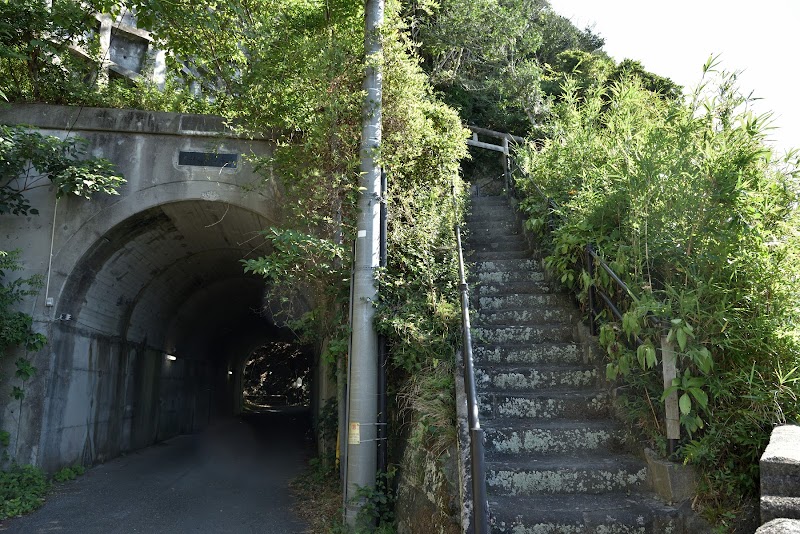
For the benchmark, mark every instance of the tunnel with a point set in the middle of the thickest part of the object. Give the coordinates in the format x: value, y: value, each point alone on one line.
x: 156, y: 327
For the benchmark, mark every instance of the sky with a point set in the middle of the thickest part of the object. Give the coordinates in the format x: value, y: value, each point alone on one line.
x: 675, y: 38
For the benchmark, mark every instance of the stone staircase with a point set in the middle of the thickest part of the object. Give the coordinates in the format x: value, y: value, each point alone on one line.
x: 554, y: 455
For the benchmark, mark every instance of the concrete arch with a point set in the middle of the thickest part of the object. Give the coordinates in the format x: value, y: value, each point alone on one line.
x: 133, y: 278
x: 80, y: 237
x: 167, y: 282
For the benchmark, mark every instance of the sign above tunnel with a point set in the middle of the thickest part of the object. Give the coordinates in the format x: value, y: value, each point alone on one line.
x: 208, y: 159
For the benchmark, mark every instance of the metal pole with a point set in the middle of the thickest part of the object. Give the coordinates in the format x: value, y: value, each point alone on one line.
x: 591, y: 292
x: 480, y: 510
x: 362, y: 382
x: 506, y: 166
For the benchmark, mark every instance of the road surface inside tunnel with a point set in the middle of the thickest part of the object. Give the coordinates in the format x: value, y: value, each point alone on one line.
x: 232, y: 477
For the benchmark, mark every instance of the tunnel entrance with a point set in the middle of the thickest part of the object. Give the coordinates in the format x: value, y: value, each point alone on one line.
x: 277, y: 374
x: 163, y: 334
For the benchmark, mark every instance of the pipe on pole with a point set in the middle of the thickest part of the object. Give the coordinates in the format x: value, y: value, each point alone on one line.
x: 362, y: 382
x: 383, y: 420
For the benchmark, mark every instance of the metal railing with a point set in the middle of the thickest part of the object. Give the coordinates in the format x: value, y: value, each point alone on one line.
x: 599, y: 300
x: 480, y: 506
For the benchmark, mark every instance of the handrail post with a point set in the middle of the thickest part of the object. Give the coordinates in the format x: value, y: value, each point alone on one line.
x: 506, y: 165
x: 671, y: 408
x: 591, y: 290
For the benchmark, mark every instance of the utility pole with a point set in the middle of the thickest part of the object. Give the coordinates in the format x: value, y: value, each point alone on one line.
x: 362, y: 379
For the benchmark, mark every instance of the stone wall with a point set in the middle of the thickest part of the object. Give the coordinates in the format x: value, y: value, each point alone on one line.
x: 427, y: 496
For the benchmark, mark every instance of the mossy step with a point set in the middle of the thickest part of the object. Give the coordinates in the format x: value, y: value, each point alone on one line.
x: 524, y: 316
x: 503, y: 277
x: 493, y: 232
x: 545, y: 405
x: 489, y: 199
x: 488, y: 208
x: 511, y: 245
x: 543, y: 353
x: 517, y: 288
x: 523, y: 334
x: 489, y: 205
x: 595, y: 474
x: 489, y: 217
x: 517, y: 301
x: 611, y: 513
x: 551, y: 437
x: 509, y: 265
x: 505, y: 378
x: 474, y: 256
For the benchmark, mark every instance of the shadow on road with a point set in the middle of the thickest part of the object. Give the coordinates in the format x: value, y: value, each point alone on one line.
x: 233, y: 477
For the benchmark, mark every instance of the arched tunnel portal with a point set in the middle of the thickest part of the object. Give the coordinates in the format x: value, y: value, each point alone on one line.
x: 156, y: 323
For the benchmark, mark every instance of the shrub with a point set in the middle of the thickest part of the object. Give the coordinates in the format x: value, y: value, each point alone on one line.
x: 686, y: 202
x: 22, y: 490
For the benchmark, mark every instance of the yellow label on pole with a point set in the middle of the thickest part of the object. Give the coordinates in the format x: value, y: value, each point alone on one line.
x: 355, y: 434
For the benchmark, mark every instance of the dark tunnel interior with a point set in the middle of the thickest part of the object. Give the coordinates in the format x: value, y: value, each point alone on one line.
x: 167, y: 333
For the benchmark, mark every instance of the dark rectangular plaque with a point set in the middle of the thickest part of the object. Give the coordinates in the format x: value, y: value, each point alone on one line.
x: 208, y: 159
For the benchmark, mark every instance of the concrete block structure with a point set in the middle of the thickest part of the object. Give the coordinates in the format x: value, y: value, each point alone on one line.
x: 780, y: 475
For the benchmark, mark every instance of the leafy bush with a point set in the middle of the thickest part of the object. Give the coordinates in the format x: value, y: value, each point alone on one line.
x: 22, y: 490
x: 699, y: 217
x: 69, y: 473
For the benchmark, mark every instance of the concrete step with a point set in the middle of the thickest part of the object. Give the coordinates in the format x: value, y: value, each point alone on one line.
x: 506, y: 266
x: 509, y: 245
x: 612, y: 513
x: 490, y: 303
x: 520, y: 287
x: 504, y: 277
x: 493, y: 232
x: 523, y: 334
x: 551, y: 437
x: 489, y: 199
x: 594, y: 474
x: 485, y: 228
x: 543, y: 353
x: 474, y: 256
x: 555, y: 314
x: 480, y: 206
x: 545, y: 405
x: 535, y: 378
x: 490, y: 212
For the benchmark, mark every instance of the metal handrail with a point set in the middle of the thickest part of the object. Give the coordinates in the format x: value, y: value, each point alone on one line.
x: 480, y: 507
x: 591, y: 260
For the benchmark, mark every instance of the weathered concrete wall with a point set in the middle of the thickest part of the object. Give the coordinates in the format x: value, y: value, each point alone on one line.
x: 132, y: 278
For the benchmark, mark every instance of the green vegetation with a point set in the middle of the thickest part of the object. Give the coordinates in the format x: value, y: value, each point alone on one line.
x: 34, y: 64
x: 22, y: 490
x: 69, y: 473
x: 683, y: 199
x: 700, y: 218
x: 29, y: 160
x: 490, y: 58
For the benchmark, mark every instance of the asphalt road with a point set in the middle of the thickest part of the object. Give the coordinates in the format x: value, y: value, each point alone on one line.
x: 232, y: 478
